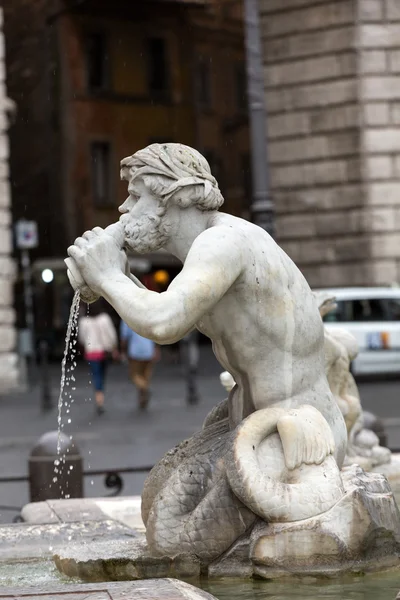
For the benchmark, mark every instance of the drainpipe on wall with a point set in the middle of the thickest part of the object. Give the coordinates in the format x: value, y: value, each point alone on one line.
x: 262, y: 208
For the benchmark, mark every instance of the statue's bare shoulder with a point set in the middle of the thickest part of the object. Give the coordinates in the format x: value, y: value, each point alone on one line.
x: 215, y: 258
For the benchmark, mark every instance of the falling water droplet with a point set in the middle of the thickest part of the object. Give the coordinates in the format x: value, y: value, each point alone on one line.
x: 72, y: 323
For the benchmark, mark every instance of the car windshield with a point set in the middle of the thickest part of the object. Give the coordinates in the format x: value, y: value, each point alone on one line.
x: 365, y: 310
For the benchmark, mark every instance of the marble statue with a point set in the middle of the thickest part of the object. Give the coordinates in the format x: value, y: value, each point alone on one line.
x: 272, y: 453
x: 227, y: 381
x: 341, y: 348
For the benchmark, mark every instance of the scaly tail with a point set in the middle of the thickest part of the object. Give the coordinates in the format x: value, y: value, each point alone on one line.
x: 309, y: 482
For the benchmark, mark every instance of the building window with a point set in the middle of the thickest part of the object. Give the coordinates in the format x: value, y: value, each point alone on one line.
x: 97, y: 61
x: 158, y: 70
x: 100, y: 155
x: 241, y: 88
x: 160, y: 140
x: 215, y: 165
x: 203, y: 83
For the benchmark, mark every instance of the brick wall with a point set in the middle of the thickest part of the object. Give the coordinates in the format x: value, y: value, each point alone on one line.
x: 8, y: 359
x: 331, y: 87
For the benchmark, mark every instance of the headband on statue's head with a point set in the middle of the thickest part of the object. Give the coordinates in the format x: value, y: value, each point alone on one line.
x: 184, y: 165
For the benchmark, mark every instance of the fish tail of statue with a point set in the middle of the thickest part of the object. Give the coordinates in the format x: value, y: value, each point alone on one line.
x: 186, y: 523
x: 306, y: 483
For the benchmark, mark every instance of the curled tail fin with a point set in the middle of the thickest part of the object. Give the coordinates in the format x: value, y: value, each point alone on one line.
x: 306, y: 437
x: 309, y: 483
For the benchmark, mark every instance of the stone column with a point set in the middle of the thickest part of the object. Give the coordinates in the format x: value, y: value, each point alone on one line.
x: 332, y: 77
x: 8, y: 357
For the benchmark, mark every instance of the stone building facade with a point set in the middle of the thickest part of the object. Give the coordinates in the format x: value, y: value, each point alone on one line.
x: 332, y: 76
x: 96, y: 80
x: 8, y: 357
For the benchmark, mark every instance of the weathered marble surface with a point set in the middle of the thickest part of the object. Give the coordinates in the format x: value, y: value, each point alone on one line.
x: 341, y: 348
x: 272, y: 452
x: 109, y: 561
x: 152, y: 589
x: 360, y: 533
x: 23, y: 541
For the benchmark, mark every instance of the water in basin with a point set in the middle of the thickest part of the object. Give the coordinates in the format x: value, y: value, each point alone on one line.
x: 383, y: 586
x: 370, y: 587
x: 31, y: 573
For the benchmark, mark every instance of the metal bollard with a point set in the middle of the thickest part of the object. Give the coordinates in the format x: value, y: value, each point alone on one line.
x: 69, y: 481
x: 191, y: 361
x: 46, y: 403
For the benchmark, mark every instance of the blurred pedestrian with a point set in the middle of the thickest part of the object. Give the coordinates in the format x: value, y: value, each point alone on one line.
x: 190, y: 356
x: 141, y: 354
x: 159, y: 282
x: 99, y: 339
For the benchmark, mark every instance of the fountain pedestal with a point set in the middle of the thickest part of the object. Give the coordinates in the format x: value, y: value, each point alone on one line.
x: 360, y: 533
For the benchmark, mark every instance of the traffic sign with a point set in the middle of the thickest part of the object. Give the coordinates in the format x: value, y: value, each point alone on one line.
x: 26, y: 233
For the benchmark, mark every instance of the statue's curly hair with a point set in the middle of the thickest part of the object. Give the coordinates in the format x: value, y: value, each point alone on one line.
x: 177, y: 173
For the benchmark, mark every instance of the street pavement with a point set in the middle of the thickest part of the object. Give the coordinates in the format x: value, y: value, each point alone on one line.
x: 124, y: 436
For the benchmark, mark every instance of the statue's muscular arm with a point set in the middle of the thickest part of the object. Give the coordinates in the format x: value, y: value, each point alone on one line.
x: 211, y: 267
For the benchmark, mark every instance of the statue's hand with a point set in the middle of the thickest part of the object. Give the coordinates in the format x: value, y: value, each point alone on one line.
x: 98, y: 255
x: 77, y: 282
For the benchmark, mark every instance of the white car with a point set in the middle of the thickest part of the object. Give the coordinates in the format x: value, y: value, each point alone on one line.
x: 372, y: 315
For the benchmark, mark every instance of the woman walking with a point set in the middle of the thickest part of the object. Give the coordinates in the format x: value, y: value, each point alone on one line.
x: 141, y: 354
x: 98, y: 337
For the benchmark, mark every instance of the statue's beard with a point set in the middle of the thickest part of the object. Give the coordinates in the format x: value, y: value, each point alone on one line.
x: 147, y: 234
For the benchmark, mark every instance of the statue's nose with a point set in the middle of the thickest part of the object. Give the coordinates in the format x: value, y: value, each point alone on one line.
x: 124, y: 207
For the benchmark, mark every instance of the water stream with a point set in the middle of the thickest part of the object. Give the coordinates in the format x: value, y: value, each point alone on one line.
x: 66, y: 377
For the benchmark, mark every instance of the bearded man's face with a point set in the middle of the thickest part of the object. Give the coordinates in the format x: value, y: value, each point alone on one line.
x: 145, y: 221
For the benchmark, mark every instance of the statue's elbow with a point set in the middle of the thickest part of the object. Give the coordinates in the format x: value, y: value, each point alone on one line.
x: 163, y: 334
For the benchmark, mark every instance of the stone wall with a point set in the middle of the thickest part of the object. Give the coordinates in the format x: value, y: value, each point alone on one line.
x: 8, y: 358
x: 379, y: 89
x: 332, y: 98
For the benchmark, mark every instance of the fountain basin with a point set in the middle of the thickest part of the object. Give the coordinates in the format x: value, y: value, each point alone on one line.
x: 359, y: 534
x: 35, y: 577
x: 153, y: 589
x: 53, y: 526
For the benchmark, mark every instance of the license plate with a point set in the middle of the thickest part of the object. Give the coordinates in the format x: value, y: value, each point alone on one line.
x: 378, y: 340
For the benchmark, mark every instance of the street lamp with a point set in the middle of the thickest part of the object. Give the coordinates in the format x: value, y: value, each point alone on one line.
x: 262, y: 206
x: 47, y: 275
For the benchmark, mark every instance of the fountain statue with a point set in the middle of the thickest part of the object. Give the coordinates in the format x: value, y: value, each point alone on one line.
x: 259, y: 490
x: 363, y: 446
